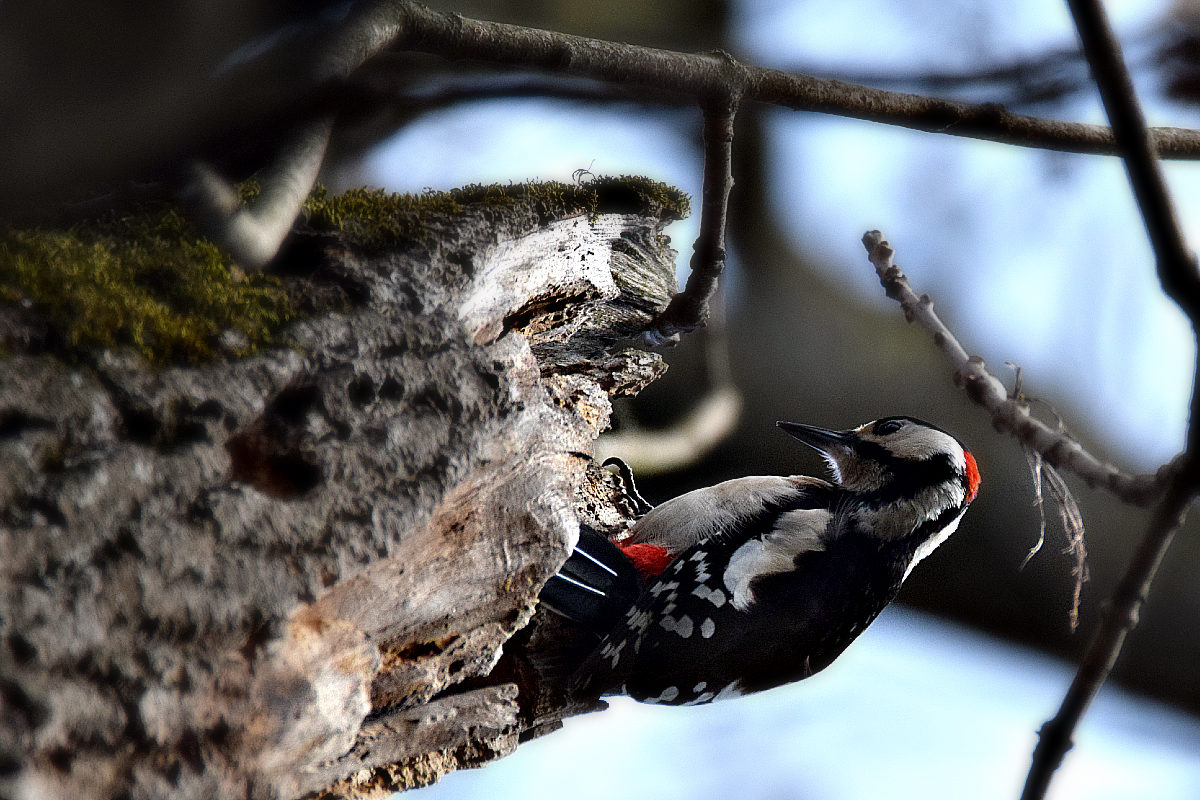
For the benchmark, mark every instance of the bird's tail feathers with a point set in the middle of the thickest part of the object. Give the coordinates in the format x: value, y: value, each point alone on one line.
x: 595, y: 586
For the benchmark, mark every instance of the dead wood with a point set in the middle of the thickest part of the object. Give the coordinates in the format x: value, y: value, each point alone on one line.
x: 295, y: 573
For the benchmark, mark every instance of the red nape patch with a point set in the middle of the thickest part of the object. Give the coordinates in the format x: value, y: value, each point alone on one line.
x: 649, y: 559
x: 972, y: 476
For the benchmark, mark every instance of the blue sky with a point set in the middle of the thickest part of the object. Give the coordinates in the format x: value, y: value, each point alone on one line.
x: 1037, y: 258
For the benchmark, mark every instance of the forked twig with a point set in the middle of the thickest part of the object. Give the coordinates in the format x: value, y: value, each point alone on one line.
x: 1055, y: 446
x: 689, y: 308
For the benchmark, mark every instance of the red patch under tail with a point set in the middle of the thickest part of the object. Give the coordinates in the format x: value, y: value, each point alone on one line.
x: 649, y: 559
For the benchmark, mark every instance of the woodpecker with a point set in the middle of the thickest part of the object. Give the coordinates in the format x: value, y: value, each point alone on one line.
x: 761, y: 581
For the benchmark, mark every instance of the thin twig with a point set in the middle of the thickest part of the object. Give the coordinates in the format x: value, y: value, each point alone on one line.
x: 1044, y: 475
x: 1180, y: 280
x: 411, y: 102
x: 1040, y: 78
x: 1055, y: 446
x: 688, y: 309
x: 1071, y: 520
x: 1069, y: 516
x: 1036, y: 462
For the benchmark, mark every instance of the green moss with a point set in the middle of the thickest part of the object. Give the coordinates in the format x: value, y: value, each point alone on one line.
x: 149, y: 281
x: 645, y: 196
x: 145, y: 281
x: 375, y: 219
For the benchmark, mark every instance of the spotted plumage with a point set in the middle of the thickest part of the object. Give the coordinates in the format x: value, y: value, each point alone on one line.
x: 769, y: 579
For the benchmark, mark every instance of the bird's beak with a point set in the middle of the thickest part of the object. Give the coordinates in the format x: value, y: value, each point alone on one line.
x: 831, y: 443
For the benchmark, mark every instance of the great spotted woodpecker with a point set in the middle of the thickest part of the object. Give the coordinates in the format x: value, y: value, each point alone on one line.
x: 761, y: 581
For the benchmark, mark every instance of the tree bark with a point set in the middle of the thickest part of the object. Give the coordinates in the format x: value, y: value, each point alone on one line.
x: 296, y: 573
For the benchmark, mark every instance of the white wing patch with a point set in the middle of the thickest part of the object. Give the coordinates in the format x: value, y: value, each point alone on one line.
x: 796, y: 532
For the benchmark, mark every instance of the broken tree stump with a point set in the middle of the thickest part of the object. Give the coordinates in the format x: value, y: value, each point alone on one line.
x: 292, y: 572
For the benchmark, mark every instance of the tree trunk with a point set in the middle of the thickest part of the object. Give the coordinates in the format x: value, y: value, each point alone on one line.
x: 296, y: 573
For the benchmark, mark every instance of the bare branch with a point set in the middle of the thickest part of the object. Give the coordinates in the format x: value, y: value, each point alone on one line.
x: 1034, y: 79
x: 709, y: 421
x: 1055, y: 446
x: 703, y: 75
x: 688, y: 309
x: 717, y: 80
x: 384, y: 88
x: 1176, y: 262
x: 705, y: 426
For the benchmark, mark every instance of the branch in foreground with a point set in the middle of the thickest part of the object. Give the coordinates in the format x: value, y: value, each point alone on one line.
x: 696, y: 435
x: 401, y: 25
x: 985, y: 389
x: 252, y: 233
x: 1177, y: 268
x: 1176, y: 262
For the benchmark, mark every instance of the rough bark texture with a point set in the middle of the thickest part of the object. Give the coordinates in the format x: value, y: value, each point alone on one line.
x: 295, y: 573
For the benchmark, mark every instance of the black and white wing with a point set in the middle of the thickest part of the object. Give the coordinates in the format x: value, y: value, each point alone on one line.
x: 729, y: 606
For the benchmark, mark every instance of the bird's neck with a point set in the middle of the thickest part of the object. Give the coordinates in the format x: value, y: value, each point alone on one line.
x: 900, y: 517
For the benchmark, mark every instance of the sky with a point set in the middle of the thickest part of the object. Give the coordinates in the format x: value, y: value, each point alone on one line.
x: 1038, y: 258
x: 1041, y: 257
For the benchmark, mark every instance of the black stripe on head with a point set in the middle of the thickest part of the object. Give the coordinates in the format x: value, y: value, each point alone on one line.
x: 930, y: 527
x: 906, y: 478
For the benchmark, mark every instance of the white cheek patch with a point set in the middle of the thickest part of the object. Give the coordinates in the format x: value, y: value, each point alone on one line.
x: 930, y: 503
x: 795, y: 532
x: 899, y: 519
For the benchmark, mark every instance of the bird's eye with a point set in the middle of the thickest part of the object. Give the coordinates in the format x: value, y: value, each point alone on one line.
x: 888, y: 426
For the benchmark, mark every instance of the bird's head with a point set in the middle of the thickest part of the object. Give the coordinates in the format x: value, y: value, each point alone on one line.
x: 896, y: 459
